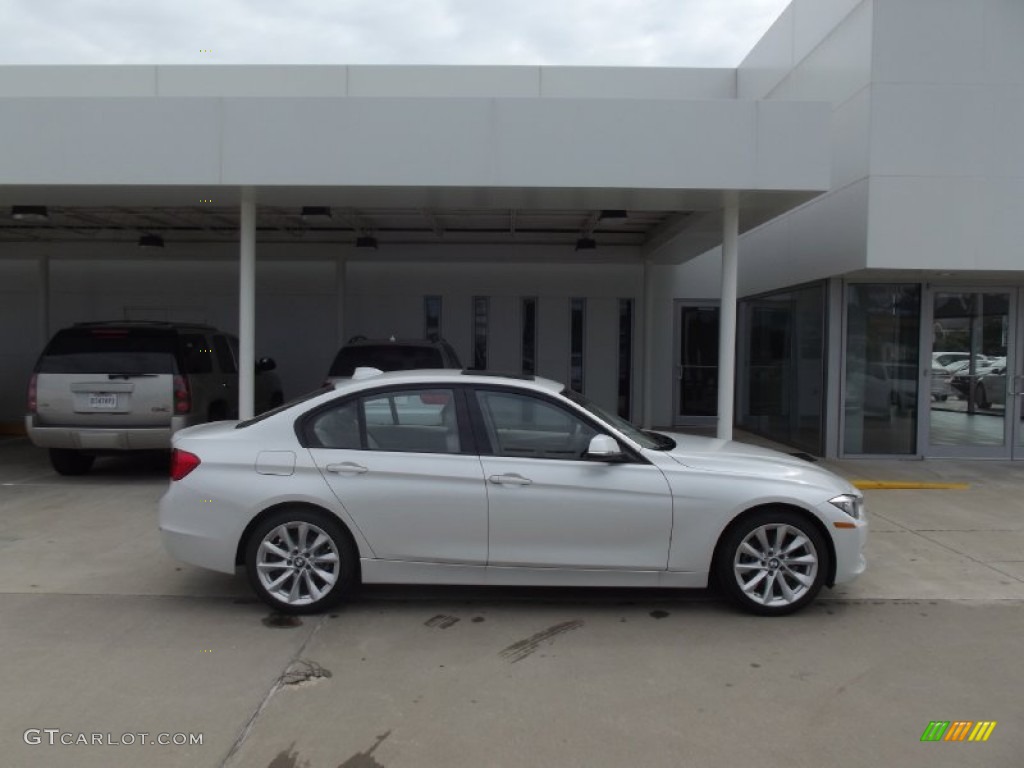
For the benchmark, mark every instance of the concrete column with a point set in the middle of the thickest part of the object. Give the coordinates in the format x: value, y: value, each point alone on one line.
x: 44, y: 301
x: 247, y: 308
x: 727, y: 315
x: 648, y: 345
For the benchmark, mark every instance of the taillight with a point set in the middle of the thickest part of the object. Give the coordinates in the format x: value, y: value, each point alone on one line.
x: 32, y: 398
x: 182, y: 397
x: 182, y: 462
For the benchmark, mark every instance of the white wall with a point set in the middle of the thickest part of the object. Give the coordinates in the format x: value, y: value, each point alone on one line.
x: 947, y: 160
x: 297, y: 300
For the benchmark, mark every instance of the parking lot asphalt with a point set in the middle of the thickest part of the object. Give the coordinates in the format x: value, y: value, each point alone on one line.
x: 101, y: 633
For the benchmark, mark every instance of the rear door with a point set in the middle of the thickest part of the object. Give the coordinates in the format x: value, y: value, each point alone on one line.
x: 107, y: 377
x: 403, y: 465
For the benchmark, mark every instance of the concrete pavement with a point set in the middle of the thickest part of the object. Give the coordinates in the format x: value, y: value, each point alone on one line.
x: 102, y: 633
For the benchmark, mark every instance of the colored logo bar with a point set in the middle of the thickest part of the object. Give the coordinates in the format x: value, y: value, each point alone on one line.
x: 958, y: 730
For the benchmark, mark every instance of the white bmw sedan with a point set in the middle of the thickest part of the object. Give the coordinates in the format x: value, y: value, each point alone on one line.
x: 449, y: 477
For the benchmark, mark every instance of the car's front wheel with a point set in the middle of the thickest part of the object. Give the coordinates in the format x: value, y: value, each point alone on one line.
x: 301, y: 560
x: 773, y: 562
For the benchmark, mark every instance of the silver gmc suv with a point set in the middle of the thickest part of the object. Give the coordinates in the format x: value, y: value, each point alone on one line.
x: 107, y: 387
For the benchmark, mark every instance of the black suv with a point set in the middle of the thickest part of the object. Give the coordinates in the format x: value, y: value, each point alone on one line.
x: 392, y: 355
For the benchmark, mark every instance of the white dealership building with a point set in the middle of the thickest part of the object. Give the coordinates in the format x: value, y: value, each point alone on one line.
x: 786, y: 247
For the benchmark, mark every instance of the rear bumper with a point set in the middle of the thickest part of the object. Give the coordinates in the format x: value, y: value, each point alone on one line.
x: 103, y: 438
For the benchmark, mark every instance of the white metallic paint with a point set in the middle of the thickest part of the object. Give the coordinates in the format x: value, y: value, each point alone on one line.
x: 671, y: 511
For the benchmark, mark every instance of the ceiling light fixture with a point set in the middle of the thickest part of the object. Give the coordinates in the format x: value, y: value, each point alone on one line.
x: 151, y: 241
x: 33, y: 213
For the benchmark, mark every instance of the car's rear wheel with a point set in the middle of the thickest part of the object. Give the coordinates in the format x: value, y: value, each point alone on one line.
x: 772, y: 562
x: 68, y: 462
x: 301, y: 560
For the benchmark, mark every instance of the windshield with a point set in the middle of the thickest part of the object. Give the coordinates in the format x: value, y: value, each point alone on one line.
x: 650, y: 440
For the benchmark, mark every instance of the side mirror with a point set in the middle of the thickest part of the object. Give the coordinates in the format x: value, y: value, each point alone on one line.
x: 265, y: 364
x: 604, y: 448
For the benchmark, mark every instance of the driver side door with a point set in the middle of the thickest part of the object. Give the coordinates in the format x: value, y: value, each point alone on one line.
x: 550, y: 507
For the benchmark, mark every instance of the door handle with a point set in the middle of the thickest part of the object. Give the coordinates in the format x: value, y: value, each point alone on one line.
x: 346, y: 468
x: 510, y: 479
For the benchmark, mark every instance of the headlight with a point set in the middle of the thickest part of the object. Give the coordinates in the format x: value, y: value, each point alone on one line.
x: 850, y: 504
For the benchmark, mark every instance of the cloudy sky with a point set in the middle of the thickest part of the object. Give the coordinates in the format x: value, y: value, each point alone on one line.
x: 710, y: 33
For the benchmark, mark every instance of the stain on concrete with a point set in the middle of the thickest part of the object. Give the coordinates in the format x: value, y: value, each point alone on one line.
x: 281, y: 621
x: 288, y: 758
x: 303, y: 671
x: 366, y: 759
x: 658, y: 614
x: 477, y: 619
x: 442, y: 621
x: 520, y: 650
x: 755, y: 665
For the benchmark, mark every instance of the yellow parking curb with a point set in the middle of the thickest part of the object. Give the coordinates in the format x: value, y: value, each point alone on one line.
x: 882, y: 485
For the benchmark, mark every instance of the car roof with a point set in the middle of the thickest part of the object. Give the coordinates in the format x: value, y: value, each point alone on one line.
x: 162, y: 324
x: 395, y: 342
x: 448, y: 376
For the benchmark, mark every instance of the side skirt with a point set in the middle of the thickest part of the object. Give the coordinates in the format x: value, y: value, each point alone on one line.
x: 376, y: 571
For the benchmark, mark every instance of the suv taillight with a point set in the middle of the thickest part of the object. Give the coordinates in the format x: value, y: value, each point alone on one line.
x: 182, y: 462
x: 32, y: 399
x: 182, y: 396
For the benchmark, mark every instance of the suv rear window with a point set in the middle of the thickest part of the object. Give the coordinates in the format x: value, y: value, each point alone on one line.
x: 109, y: 350
x: 386, y: 357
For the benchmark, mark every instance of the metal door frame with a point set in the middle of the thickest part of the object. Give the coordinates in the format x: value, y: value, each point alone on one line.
x: 1012, y: 446
x: 677, y: 418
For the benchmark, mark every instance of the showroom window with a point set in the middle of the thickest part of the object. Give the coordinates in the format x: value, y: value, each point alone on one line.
x: 432, y: 317
x: 883, y: 323
x: 529, y: 336
x: 781, y: 367
x: 480, y: 320
x: 577, y: 323
x: 625, y: 384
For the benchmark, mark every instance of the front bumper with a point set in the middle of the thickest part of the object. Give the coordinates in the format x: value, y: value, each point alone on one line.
x: 848, y: 542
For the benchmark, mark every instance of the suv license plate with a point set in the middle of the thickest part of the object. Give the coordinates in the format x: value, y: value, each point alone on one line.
x: 103, y: 401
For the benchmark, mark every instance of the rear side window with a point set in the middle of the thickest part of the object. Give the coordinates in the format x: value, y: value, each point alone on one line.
x: 109, y: 350
x: 386, y: 358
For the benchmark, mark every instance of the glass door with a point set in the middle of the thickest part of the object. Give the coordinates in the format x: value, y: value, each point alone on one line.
x: 971, y: 408
x: 695, y: 384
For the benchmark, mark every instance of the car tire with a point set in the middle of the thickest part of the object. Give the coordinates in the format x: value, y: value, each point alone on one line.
x: 68, y: 462
x: 753, y: 575
x: 981, y: 397
x: 282, y: 555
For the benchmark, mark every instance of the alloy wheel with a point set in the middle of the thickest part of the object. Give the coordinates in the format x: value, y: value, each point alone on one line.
x: 776, y: 565
x: 298, y: 563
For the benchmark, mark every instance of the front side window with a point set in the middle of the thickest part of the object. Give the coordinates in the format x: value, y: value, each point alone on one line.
x: 523, y: 426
